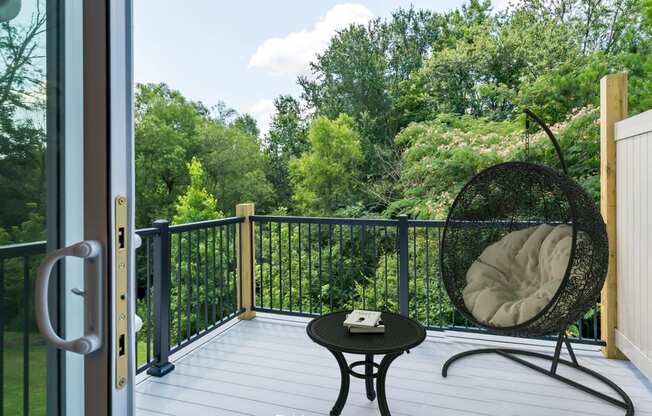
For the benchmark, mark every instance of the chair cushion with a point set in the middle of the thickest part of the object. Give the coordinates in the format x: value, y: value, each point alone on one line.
x: 516, y: 277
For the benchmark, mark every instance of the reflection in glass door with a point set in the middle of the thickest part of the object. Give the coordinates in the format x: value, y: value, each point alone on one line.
x: 41, y: 183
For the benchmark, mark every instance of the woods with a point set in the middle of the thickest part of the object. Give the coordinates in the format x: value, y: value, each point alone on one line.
x: 396, y: 115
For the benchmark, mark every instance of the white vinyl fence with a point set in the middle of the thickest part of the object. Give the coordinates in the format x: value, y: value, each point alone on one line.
x: 634, y: 239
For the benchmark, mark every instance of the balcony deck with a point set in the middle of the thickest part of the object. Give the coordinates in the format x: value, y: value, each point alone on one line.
x: 269, y: 367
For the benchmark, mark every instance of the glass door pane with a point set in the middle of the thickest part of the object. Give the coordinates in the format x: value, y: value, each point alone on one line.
x: 23, y: 211
x: 41, y: 183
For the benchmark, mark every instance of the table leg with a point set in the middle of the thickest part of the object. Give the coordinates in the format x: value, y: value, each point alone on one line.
x: 344, y: 386
x: 369, y: 372
x: 382, y: 375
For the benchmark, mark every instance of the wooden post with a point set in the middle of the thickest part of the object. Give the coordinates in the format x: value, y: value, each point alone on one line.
x: 613, y: 108
x: 246, y: 261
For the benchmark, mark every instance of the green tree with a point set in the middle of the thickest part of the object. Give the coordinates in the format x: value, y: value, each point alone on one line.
x: 247, y: 124
x: 287, y: 139
x: 325, y: 178
x: 166, y: 139
x: 172, y: 130
x: 235, y: 166
x: 196, y: 204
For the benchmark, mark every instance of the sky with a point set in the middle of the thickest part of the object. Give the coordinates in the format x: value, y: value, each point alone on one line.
x: 247, y: 52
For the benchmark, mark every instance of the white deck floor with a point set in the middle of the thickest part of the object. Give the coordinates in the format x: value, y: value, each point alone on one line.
x: 269, y: 367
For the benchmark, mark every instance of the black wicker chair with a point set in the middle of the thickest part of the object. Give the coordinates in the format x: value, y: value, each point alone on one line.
x: 511, y: 196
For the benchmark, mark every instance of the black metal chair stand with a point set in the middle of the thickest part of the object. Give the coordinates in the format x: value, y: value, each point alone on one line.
x: 513, y: 354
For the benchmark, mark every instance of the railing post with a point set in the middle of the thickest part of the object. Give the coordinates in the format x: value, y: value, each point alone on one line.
x: 403, y: 282
x: 161, y: 366
x: 246, y: 261
x: 613, y: 108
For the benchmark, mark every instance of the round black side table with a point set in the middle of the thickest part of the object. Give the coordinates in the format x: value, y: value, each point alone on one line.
x: 401, y: 335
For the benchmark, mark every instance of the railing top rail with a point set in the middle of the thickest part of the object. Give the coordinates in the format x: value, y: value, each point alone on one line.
x: 22, y: 249
x: 146, y: 232
x: 204, y: 224
x: 324, y: 220
x: 427, y: 223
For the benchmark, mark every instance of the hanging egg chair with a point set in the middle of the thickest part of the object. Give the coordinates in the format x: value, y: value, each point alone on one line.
x: 524, y: 252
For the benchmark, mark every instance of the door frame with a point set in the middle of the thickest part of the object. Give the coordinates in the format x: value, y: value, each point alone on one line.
x: 107, y: 172
x: 96, y: 130
x: 108, y: 141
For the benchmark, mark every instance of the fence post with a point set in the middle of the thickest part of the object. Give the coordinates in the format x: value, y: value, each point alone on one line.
x: 613, y: 108
x: 161, y: 366
x: 246, y: 261
x: 403, y: 278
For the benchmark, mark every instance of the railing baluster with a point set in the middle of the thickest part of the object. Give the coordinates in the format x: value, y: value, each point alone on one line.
x: 330, y: 267
x: 280, y: 267
x: 374, y: 257
x: 221, y: 272
x: 403, y: 282
x: 197, y: 300
x: 229, y: 267
x: 260, y: 261
x: 214, y: 276
x: 148, y: 303
x: 427, y: 278
x: 414, y: 270
x: 189, y: 287
x: 440, y: 298
x: 271, y: 262
x: 341, y: 268
x: 310, y: 267
x: 235, y: 272
x: 206, y: 323
x: 321, y: 300
x: 385, y: 256
x: 362, y: 269
x: 300, y: 253
x: 27, y: 309
x: 179, y: 287
x: 290, y: 264
x: 351, y: 279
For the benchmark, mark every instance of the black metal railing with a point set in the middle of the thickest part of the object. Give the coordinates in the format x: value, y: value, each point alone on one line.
x: 22, y: 350
x: 310, y: 266
x: 187, y: 280
x: 186, y: 285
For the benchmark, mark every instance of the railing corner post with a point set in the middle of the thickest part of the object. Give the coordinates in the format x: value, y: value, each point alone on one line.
x: 246, y: 261
x: 403, y: 279
x: 161, y: 365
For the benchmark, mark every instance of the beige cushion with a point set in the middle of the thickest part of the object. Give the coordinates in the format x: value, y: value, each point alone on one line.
x: 516, y: 277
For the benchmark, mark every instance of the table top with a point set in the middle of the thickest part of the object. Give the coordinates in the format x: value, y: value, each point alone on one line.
x: 401, y: 334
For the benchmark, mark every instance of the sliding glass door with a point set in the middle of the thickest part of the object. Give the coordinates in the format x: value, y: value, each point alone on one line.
x: 65, y: 178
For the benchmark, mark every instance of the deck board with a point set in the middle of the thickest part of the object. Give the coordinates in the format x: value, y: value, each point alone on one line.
x: 269, y: 367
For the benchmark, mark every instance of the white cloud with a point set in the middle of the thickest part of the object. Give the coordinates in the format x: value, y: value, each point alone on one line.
x: 292, y: 53
x: 262, y: 111
x: 500, y: 5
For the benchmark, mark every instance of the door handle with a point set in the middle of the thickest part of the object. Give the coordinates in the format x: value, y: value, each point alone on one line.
x: 91, y: 251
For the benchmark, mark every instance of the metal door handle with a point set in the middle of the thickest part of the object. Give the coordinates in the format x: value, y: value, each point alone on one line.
x: 92, y: 339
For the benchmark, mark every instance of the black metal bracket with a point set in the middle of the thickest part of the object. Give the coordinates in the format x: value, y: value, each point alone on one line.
x: 513, y: 354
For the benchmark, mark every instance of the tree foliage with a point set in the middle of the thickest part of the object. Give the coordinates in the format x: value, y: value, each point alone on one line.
x: 196, y: 204
x: 325, y: 177
x: 172, y: 130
